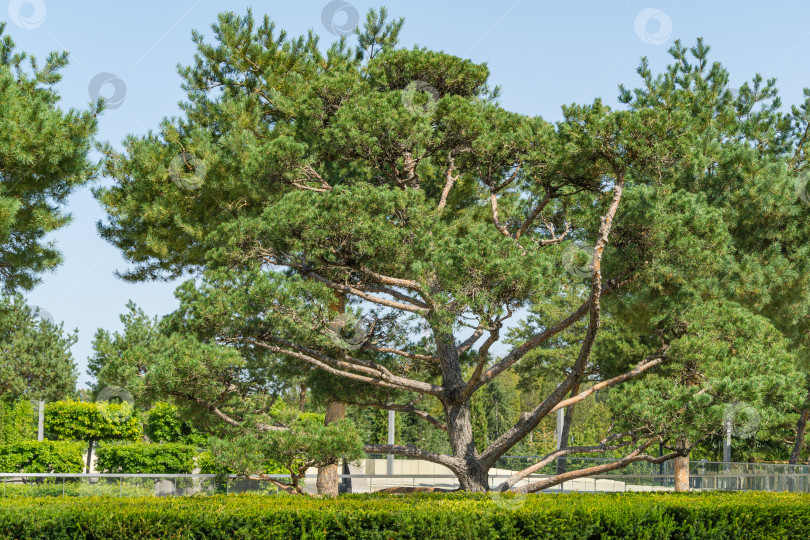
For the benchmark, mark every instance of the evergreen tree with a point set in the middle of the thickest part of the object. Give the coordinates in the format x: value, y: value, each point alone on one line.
x: 394, y: 179
x: 43, y: 159
x: 35, y: 357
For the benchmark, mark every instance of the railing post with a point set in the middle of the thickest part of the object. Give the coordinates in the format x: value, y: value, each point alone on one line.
x: 41, y: 421
x: 391, y: 440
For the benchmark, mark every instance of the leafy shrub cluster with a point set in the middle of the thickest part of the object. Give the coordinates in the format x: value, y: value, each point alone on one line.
x: 140, y: 458
x: 71, y: 487
x: 85, y: 421
x: 42, y: 457
x: 162, y: 424
x: 449, y: 517
x: 16, y: 422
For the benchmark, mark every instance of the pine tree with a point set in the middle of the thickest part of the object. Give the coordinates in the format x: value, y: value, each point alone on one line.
x: 35, y: 357
x: 43, y: 159
x: 394, y: 178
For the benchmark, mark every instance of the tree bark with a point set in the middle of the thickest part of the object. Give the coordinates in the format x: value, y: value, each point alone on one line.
x: 472, y: 474
x: 681, y: 465
x: 302, y: 397
x: 90, y: 455
x: 801, y: 427
x: 327, y: 482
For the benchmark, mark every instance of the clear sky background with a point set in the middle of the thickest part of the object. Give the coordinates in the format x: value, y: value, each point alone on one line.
x: 544, y: 54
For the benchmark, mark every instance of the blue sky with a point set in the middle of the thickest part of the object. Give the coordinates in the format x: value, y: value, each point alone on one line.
x: 544, y: 54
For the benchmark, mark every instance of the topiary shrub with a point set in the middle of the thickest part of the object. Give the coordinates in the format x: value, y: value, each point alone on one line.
x: 42, y: 457
x: 140, y: 458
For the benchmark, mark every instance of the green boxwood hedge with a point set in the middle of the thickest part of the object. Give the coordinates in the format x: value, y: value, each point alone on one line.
x: 750, y: 515
x: 140, y: 458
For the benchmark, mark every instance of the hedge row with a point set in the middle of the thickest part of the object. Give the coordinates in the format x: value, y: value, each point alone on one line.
x: 140, y: 458
x: 42, y: 457
x: 422, y: 517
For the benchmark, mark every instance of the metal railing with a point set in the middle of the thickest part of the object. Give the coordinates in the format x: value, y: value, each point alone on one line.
x: 704, y: 475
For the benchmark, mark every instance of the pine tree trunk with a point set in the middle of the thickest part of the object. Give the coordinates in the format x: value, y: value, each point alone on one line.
x: 681, y: 465
x: 327, y: 483
x: 473, y: 477
x: 801, y: 427
x: 302, y: 398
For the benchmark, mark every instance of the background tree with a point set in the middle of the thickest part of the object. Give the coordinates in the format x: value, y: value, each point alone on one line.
x: 747, y: 174
x: 394, y: 178
x: 43, y: 159
x: 91, y: 423
x: 302, y: 441
x: 35, y: 357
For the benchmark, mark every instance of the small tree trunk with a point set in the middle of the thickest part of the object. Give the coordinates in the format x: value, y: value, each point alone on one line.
x: 801, y: 427
x: 682, y: 468
x: 327, y: 483
x: 302, y: 398
x: 90, y: 455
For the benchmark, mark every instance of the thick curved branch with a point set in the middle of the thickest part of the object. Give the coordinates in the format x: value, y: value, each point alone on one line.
x: 346, y: 289
x: 330, y: 365
x: 483, y: 355
x: 404, y: 354
x: 603, y: 446
x: 406, y: 409
x: 536, y: 212
x: 411, y: 451
x: 450, y: 180
x: 528, y: 422
x: 635, y: 456
x: 648, y: 363
x: 470, y: 341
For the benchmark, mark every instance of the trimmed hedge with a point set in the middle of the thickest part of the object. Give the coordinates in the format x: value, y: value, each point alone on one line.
x: 42, y: 457
x: 749, y: 515
x: 140, y: 458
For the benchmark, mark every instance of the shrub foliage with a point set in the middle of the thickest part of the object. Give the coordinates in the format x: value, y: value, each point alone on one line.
x: 449, y: 517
